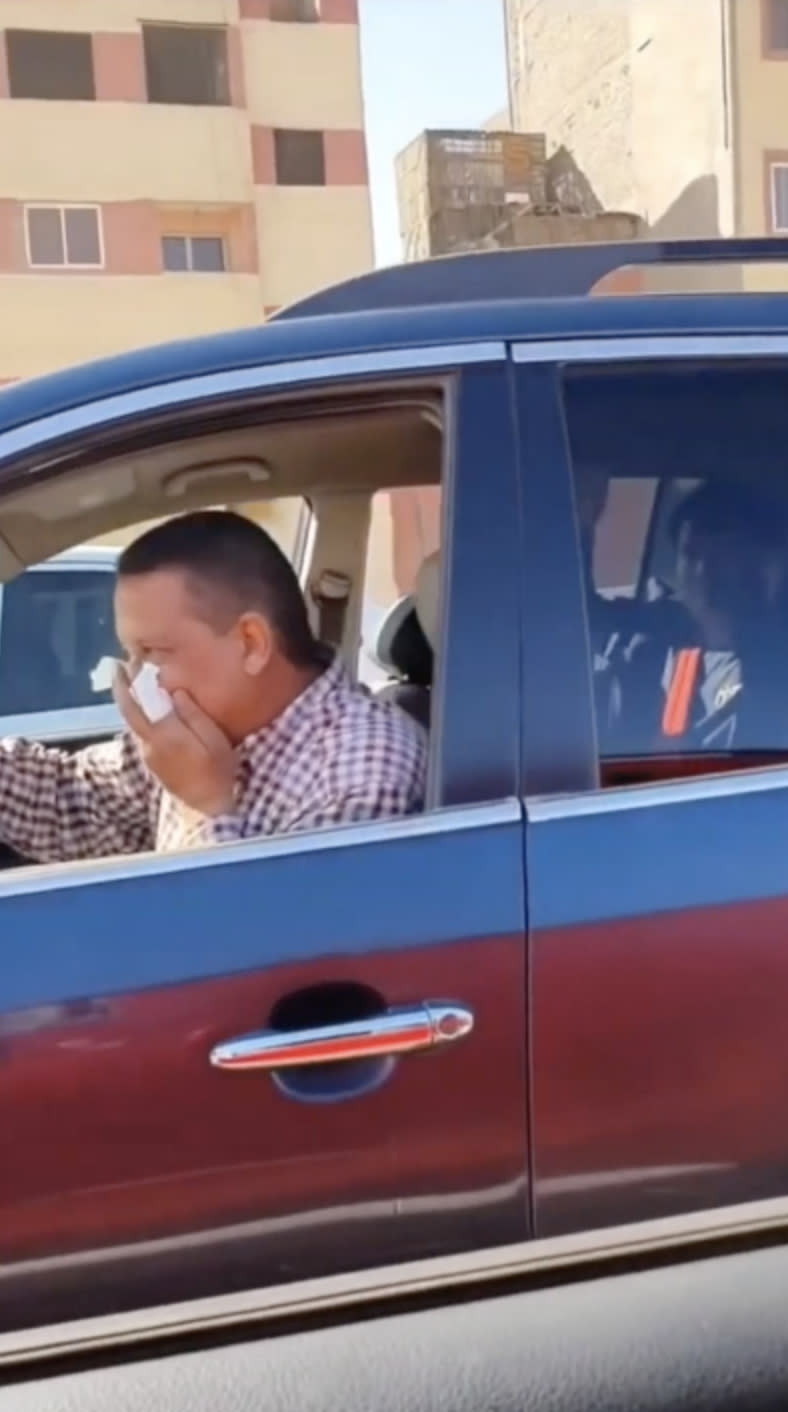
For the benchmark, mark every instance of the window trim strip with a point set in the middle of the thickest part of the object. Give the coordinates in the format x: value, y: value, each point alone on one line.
x: 653, y: 346
x: 56, y: 877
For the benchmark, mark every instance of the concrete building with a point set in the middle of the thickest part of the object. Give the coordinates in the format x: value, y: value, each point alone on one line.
x: 673, y: 109
x: 490, y: 188
x: 454, y: 186
x: 172, y: 167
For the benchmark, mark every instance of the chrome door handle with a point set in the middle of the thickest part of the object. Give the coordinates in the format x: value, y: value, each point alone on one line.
x: 407, y: 1030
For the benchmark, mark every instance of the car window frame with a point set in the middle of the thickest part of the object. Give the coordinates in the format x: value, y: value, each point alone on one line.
x: 548, y: 480
x: 52, y: 435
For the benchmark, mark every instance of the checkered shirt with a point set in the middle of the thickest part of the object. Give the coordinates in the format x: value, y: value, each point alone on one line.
x: 335, y: 755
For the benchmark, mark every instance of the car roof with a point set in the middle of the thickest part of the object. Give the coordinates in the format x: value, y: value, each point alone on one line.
x: 457, y: 299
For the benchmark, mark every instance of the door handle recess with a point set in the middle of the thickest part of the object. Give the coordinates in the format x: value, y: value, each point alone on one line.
x: 406, y: 1030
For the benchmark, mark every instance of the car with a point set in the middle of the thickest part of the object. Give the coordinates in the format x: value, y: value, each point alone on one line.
x: 56, y: 627
x: 555, y: 998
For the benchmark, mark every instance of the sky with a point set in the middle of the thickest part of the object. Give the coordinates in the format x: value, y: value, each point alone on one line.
x: 426, y: 63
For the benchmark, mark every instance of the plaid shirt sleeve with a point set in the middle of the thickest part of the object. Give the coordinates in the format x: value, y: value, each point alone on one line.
x: 57, y: 807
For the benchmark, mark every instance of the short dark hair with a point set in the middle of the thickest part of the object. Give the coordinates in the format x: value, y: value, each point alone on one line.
x: 722, y: 507
x: 238, y: 563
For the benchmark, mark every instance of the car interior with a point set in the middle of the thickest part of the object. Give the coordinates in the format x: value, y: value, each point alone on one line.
x: 407, y: 643
x: 665, y: 1324
x: 658, y: 433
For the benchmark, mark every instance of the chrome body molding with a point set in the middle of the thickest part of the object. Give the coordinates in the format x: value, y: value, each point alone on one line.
x: 264, y: 378
x: 730, y: 1226
x: 52, y: 877
x: 623, y: 347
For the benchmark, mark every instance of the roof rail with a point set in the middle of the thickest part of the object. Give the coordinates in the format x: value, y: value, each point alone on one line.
x: 538, y: 272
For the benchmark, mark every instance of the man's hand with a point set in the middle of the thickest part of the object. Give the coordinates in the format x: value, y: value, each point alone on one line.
x: 189, y: 755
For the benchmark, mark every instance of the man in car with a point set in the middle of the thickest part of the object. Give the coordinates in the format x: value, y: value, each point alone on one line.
x: 267, y: 733
x: 722, y: 671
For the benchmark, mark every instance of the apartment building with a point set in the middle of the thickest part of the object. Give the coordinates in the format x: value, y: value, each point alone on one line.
x: 673, y: 109
x: 172, y: 167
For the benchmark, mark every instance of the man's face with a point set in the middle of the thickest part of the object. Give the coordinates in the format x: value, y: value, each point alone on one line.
x: 162, y: 618
x: 722, y: 573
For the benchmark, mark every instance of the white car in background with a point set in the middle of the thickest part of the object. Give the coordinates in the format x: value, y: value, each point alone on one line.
x: 56, y: 625
x: 56, y: 629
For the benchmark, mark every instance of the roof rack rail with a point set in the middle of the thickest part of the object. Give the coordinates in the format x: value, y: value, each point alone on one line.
x: 540, y: 272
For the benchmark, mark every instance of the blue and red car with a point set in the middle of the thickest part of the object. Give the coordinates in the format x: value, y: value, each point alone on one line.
x: 555, y: 1000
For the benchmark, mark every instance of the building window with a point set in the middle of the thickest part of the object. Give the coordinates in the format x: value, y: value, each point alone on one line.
x: 295, y: 11
x: 193, y: 254
x: 300, y: 157
x: 186, y: 64
x: 775, y: 21
x: 67, y: 236
x: 779, y: 196
x: 44, y: 64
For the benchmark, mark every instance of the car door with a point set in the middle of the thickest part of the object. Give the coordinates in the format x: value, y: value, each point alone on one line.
x: 656, y: 877
x: 144, y: 1160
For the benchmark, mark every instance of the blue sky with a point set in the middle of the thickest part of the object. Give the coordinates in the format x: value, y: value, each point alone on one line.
x: 427, y: 63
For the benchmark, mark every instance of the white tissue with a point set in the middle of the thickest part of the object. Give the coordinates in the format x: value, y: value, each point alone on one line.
x: 154, y: 700
x: 101, y: 677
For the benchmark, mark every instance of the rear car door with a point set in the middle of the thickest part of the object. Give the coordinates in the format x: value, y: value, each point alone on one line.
x: 135, y: 1170
x: 655, y: 858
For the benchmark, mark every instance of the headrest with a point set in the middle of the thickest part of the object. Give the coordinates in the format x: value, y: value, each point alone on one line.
x: 427, y: 597
x: 401, y: 647
x: 391, y: 622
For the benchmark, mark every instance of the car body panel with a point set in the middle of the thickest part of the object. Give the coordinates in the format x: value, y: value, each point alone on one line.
x: 659, y: 983
x: 126, y: 1140
x: 403, y: 331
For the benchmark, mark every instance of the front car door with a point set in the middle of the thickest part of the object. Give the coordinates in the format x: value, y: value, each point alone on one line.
x: 135, y: 1170
x: 657, y: 881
